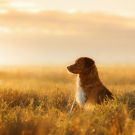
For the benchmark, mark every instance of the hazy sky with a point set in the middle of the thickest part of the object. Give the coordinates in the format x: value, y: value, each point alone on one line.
x: 51, y: 31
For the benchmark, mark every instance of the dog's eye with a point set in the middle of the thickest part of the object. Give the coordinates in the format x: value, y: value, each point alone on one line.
x: 79, y: 62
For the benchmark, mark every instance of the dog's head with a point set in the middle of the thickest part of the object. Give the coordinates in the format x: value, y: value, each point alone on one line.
x: 81, y: 65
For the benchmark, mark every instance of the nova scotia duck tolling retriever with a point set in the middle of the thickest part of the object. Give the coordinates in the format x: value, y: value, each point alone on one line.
x: 90, y: 90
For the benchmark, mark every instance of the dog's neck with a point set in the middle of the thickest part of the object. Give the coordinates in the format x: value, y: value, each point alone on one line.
x: 90, y: 79
x: 90, y: 84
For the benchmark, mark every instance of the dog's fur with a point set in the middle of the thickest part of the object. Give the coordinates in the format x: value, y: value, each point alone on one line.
x: 90, y: 88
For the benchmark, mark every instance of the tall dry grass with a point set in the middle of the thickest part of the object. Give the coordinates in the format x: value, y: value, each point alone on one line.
x: 37, y: 101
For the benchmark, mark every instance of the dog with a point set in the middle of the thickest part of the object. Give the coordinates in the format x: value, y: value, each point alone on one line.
x: 91, y: 91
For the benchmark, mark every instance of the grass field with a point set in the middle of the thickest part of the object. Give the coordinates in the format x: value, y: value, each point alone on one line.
x: 37, y: 100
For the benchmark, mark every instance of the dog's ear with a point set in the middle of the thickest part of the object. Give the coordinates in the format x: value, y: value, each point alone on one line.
x: 88, y: 63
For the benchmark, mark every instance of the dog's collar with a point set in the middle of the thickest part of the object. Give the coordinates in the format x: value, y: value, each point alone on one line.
x: 92, y: 84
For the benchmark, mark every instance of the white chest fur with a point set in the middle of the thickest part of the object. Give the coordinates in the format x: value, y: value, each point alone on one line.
x: 80, y: 95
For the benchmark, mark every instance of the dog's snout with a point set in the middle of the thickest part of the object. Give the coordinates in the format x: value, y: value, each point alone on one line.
x: 68, y: 67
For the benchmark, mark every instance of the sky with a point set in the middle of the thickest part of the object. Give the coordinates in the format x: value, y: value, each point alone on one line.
x: 59, y: 31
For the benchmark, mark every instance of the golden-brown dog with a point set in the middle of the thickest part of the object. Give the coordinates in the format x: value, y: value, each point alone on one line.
x: 90, y: 88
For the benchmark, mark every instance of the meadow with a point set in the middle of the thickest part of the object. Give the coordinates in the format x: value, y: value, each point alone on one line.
x: 36, y: 100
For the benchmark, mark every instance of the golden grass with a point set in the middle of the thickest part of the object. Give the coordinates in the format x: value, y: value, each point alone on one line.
x: 37, y: 101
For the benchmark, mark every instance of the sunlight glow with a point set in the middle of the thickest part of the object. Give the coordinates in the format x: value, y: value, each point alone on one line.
x: 3, y: 11
x: 22, y: 4
x: 6, y: 30
x: 1, y: 62
x: 34, y: 10
x: 26, y: 7
x: 72, y: 11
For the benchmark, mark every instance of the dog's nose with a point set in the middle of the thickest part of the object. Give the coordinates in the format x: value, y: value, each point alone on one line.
x: 68, y: 67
